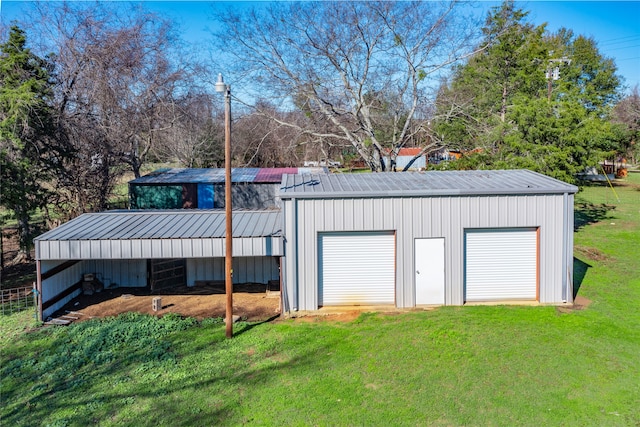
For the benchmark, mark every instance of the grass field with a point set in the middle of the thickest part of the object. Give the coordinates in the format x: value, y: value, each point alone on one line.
x: 477, y: 365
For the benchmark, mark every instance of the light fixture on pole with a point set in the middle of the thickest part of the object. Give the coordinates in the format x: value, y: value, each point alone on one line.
x: 221, y: 87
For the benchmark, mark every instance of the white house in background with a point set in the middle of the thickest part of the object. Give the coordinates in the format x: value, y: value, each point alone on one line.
x: 405, y: 155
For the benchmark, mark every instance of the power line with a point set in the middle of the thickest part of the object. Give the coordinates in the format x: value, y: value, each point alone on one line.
x: 615, y: 41
x: 622, y: 48
x: 628, y: 59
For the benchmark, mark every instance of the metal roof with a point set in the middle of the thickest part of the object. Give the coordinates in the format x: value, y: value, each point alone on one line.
x: 174, y: 224
x: 161, y: 234
x: 416, y: 184
x: 213, y: 176
x: 407, y: 151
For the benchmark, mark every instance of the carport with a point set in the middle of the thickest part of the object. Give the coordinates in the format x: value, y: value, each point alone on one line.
x: 143, y: 248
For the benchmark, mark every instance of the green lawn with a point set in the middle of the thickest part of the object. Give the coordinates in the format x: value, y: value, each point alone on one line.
x: 480, y: 365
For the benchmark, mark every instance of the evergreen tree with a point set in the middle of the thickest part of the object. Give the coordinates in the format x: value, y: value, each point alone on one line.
x: 27, y: 128
x: 532, y: 100
x: 472, y: 111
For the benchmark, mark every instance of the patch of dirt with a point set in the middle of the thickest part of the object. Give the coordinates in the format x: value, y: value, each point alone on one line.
x: 250, y: 301
x: 628, y: 184
x: 347, y: 316
x: 592, y: 253
x: 579, y: 303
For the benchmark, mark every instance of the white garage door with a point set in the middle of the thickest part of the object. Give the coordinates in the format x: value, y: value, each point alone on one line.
x: 501, y: 264
x: 356, y: 268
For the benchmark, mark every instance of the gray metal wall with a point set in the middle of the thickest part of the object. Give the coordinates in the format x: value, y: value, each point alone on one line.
x: 412, y: 218
x: 247, y: 195
x: 245, y: 269
x: 59, y: 283
x: 112, y: 273
x: 156, y: 248
x: 133, y: 273
x: 403, y: 161
x: 123, y: 273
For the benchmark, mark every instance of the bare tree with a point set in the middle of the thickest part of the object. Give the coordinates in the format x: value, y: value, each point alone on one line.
x: 627, y: 113
x: 260, y: 141
x: 118, y: 77
x: 348, y: 65
x: 196, y: 138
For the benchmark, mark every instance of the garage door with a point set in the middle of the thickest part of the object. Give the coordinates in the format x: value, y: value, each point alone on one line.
x: 356, y: 268
x: 501, y: 264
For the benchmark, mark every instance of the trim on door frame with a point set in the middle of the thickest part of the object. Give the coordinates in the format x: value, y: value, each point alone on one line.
x: 465, y: 230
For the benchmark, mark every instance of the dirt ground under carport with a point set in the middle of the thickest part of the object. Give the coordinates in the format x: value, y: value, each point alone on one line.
x: 250, y: 301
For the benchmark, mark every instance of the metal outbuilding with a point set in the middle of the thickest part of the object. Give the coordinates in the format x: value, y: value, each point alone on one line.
x: 194, y: 188
x: 147, y: 248
x: 433, y: 238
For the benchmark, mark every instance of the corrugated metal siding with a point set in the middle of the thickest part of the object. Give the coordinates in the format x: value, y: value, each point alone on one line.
x: 569, y: 256
x: 159, y: 248
x: 118, y: 273
x: 174, y: 234
x: 245, y: 270
x: 248, y: 195
x: 403, y: 161
x: 58, y: 283
x: 424, y: 217
x: 289, y: 268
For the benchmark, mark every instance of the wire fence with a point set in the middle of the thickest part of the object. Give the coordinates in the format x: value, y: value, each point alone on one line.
x: 17, y: 299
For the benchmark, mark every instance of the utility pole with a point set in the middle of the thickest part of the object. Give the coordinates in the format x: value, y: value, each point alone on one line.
x: 221, y: 87
x: 553, y: 72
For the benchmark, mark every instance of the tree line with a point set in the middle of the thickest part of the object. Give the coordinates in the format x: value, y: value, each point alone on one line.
x: 91, y: 93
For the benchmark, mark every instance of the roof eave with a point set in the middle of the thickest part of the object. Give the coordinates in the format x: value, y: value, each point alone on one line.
x: 422, y: 193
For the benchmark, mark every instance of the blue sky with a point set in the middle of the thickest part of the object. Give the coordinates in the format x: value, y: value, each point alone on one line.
x: 615, y: 25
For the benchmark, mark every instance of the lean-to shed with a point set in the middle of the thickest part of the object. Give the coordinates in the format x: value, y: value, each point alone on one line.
x: 432, y: 238
x: 154, y: 249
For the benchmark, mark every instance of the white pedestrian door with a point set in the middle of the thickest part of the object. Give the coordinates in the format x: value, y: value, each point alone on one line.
x: 429, y: 274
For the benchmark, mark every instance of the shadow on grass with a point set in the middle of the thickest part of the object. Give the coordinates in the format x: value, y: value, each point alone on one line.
x: 589, y: 213
x: 252, y: 325
x: 579, y: 272
x: 77, y: 397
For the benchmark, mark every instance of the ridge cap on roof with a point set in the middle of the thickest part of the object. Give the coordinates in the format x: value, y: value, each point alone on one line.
x: 423, y: 183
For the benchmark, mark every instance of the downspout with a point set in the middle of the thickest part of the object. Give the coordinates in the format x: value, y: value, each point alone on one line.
x: 565, y: 237
x: 294, y: 245
x: 283, y: 292
x: 39, y: 289
x: 284, y: 300
x: 289, y: 266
